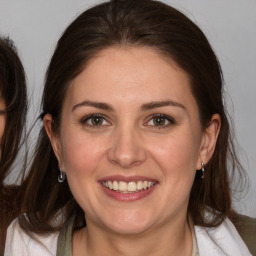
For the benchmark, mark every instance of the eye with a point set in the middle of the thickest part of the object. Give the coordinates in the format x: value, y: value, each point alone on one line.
x: 160, y: 121
x: 95, y: 120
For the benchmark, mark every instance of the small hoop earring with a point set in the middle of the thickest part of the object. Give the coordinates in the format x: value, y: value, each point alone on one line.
x: 202, y: 170
x: 61, y: 176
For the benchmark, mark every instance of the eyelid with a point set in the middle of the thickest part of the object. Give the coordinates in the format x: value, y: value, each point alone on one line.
x: 170, y: 119
x: 88, y: 117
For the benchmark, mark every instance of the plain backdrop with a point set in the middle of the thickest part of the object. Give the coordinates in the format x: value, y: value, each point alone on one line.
x: 36, y: 25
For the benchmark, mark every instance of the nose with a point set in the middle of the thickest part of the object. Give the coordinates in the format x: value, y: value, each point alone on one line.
x: 127, y: 149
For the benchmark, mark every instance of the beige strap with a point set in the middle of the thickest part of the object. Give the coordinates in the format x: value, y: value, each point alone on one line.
x: 64, y: 245
x: 195, y: 250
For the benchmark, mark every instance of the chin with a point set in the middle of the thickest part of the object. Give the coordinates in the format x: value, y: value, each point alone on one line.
x: 129, y: 224
x: 129, y: 229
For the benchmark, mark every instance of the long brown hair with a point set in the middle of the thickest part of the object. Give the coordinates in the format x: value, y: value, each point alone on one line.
x: 131, y: 23
x: 13, y: 92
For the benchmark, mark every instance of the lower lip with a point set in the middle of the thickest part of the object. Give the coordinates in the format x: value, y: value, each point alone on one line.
x: 132, y: 196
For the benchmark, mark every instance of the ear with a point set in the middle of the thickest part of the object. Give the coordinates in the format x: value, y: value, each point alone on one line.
x: 54, y: 138
x: 209, y: 139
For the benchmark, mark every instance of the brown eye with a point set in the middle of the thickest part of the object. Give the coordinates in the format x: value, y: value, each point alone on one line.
x: 160, y: 121
x: 95, y: 120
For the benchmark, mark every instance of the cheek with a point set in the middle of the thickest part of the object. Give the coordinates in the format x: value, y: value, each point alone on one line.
x: 82, y: 158
x: 176, y: 153
x: 177, y: 158
x: 80, y: 153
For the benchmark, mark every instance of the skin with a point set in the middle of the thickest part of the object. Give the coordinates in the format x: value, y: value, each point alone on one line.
x: 129, y: 143
x: 2, y: 119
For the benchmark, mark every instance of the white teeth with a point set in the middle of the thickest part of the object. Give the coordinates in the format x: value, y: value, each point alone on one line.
x: 115, y: 185
x: 145, y: 184
x: 122, y: 186
x: 132, y: 186
x: 129, y: 187
x: 110, y: 185
x: 139, y: 185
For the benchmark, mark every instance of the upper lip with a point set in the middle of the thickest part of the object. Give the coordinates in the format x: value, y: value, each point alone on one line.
x: 127, y: 178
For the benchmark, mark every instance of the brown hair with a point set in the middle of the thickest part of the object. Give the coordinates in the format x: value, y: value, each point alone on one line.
x: 13, y: 91
x: 131, y: 23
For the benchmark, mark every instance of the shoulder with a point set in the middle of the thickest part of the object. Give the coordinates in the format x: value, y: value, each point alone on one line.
x: 20, y: 244
x: 246, y: 227
x: 222, y: 240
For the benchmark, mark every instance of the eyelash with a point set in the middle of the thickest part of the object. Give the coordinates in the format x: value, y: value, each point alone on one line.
x: 85, y: 120
x: 162, y: 117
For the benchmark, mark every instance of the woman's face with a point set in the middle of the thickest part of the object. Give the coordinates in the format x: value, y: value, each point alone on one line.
x: 130, y: 140
x: 2, y: 119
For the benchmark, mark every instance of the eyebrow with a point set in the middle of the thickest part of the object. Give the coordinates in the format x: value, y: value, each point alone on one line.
x: 144, y: 107
x: 158, y: 104
x: 99, y: 105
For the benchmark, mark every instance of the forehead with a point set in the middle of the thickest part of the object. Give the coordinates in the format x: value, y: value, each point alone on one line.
x: 131, y: 76
x: 130, y: 64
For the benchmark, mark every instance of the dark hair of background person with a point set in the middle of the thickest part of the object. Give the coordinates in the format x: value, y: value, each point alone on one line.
x: 140, y: 23
x: 13, y: 91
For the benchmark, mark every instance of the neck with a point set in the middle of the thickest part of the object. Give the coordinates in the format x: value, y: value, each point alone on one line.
x: 174, y: 238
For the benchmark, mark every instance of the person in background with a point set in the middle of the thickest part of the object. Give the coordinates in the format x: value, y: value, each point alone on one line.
x: 13, y: 109
x: 136, y: 151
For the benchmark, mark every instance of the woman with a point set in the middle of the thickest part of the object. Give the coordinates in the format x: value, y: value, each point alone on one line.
x: 132, y: 159
x: 13, y: 105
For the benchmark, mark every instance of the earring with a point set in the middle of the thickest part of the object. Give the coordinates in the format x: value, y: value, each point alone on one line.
x: 61, y: 176
x: 202, y: 170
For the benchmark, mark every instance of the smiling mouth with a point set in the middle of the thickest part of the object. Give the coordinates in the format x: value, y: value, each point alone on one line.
x: 128, y: 187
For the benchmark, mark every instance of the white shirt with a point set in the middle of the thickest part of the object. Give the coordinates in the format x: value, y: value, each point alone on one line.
x: 221, y: 241
x: 18, y: 243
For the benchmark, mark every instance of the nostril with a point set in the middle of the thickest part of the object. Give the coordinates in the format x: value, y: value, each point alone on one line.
x: 126, y: 162
x: 127, y: 149
x: 125, y: 158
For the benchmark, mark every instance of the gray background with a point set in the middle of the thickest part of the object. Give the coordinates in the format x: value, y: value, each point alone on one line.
x: 36, y: 25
